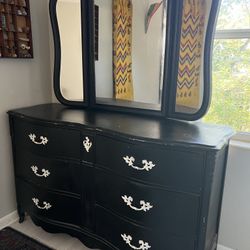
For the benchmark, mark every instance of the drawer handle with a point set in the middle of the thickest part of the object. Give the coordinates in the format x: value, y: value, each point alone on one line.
x: 87, y: 144
x: 143, y: 245
x: 45, y: 173
x: 145, y: 206
x: 43, y: 140
x: 46, y: 205
x: 147, y: 165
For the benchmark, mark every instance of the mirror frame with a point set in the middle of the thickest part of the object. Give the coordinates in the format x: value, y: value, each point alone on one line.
x: 207, y: 72
x: 57, y: 56
x: 172, y: 53
x: 174, y: 14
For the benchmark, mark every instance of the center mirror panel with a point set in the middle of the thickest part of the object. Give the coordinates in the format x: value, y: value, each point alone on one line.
x: 70, y: 29
x: 130, y: 37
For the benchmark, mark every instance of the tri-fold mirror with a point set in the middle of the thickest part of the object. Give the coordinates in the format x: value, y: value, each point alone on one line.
x: 140, y: 56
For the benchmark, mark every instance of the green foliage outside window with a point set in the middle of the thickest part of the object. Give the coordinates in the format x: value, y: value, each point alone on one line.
x: 231, y: 73
x: 231, y: 84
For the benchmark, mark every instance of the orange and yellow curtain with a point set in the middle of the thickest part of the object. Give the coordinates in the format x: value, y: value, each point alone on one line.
x: 191, y: 53
x: 122, y: 49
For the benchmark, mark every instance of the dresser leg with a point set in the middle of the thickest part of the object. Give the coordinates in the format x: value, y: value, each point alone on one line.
x: 21, y: 214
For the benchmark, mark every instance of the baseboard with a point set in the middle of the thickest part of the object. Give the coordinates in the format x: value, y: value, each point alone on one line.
x: 220, y: 247
x: 8, y: 219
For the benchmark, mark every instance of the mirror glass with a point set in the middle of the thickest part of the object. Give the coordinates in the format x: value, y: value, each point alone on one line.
x: 130, y: 52
x: 69, y: 22
x: 190, y: 80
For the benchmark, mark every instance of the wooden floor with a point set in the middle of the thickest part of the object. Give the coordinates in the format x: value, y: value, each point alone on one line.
x: 54, y: 241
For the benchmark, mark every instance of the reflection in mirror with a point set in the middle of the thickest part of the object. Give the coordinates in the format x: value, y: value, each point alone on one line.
x: 69, y: 22
x: 129, y: 62
x: 190, y: 82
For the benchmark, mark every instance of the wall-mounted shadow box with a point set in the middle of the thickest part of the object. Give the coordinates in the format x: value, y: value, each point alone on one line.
x: 15, y: 29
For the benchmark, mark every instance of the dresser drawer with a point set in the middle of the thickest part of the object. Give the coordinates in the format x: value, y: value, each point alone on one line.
x: 170, y: 212
x: 53, y: 174
x: 42, y: 139
x: 179, y: 170
x: 126, y: 235
x: 48, y: 204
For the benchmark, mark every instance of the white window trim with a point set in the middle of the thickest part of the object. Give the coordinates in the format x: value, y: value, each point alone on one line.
x: 232, y: 34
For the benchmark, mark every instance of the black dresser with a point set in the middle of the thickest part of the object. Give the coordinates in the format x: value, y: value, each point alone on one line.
x: 119, y: 181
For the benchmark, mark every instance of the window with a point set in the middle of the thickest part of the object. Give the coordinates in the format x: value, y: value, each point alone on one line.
x: 231, y: 67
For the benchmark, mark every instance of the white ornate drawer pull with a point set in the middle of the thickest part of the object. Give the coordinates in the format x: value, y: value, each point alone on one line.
x: 43, y: 140
x: 45, y: 173
x: 87, y: 144
x: 143, y: 245
x: 145, y: 206
x: 147, y: 165
x: 46, y: 205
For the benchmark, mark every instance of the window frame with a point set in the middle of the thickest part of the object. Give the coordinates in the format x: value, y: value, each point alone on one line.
x: 233, y: 34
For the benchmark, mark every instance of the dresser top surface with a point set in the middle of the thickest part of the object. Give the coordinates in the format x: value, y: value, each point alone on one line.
x: 141, y: 127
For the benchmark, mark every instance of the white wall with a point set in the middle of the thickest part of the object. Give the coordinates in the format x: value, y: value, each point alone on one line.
x: 146, y: 52
x: 24, y: 82
x: 235, y: 217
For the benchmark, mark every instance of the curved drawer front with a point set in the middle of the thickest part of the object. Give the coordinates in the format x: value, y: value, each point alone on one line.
x: 54, y: 174
x: 48, y: 204
x: 41, y: 139
x: 126, y: 235
x: 166, y: 211
x: 180, y: 170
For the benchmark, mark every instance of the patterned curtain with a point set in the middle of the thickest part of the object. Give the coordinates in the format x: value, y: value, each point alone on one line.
x: 122, y: 49
x: 191, y: 53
